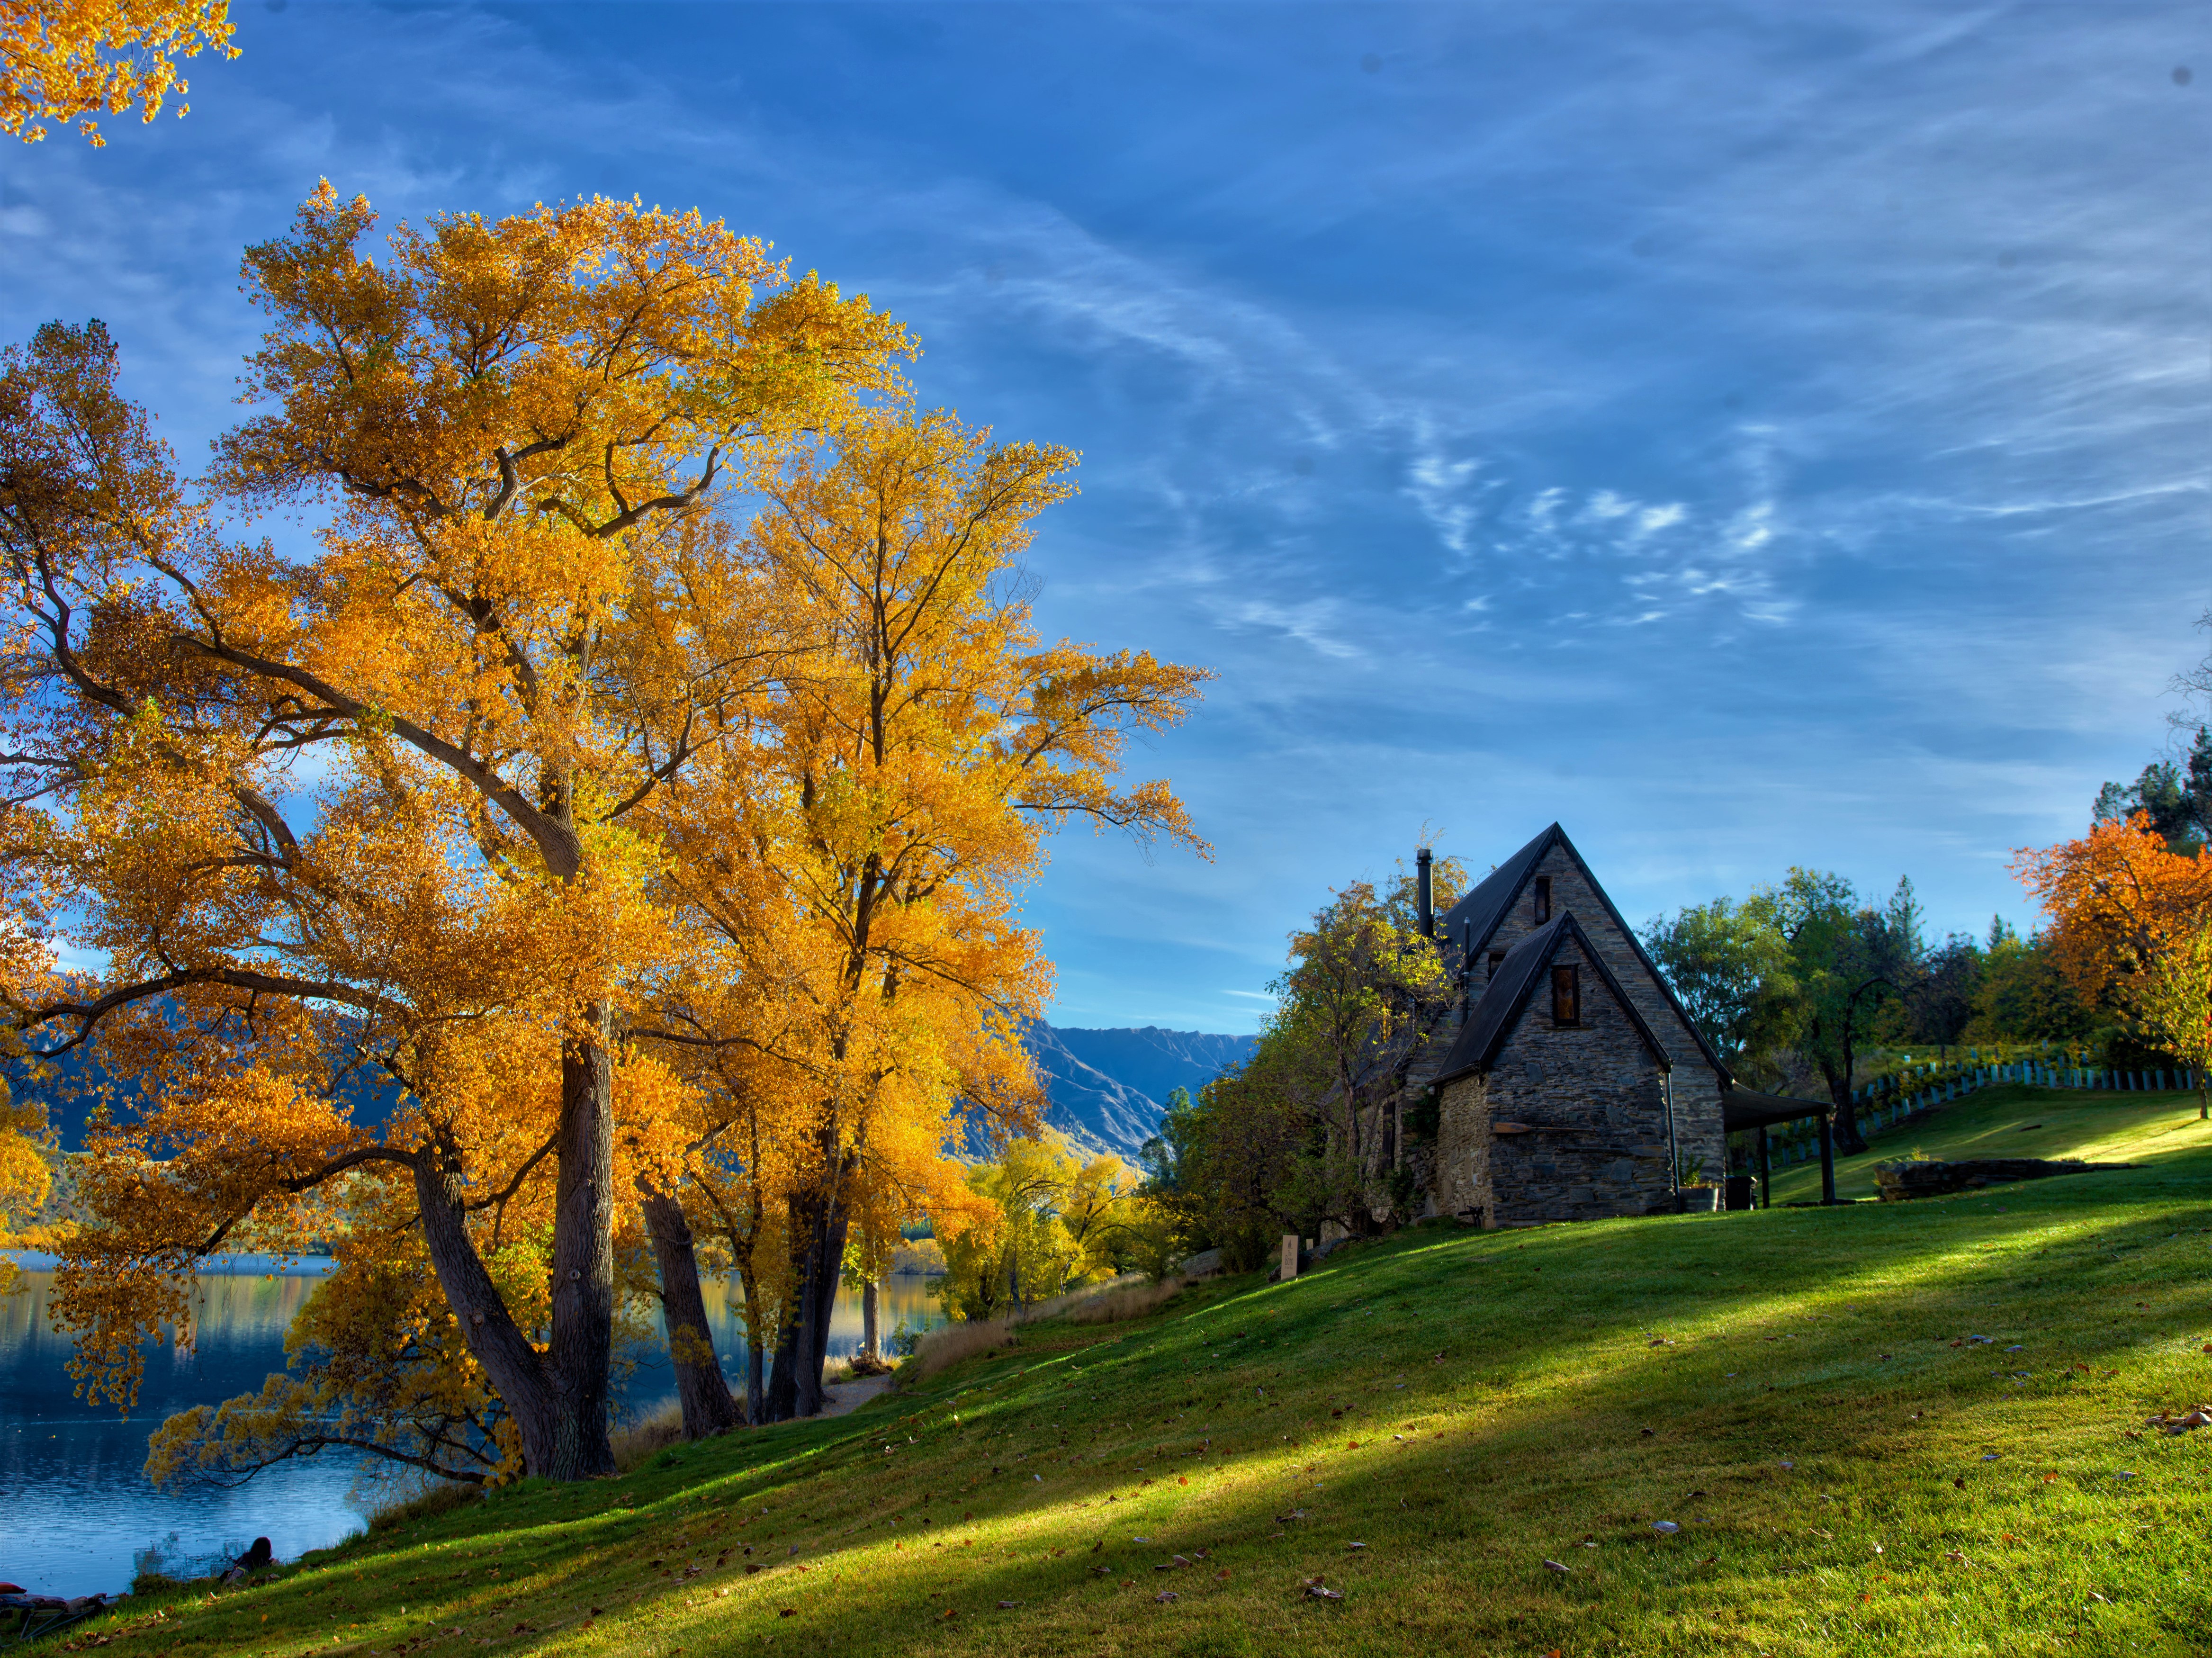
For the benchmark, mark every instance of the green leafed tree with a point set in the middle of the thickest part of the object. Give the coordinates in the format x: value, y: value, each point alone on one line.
x: 1732, y: 968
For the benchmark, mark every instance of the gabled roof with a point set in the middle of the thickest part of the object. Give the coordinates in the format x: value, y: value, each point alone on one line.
x: 1469, y: 925
x: 1492, y: 1019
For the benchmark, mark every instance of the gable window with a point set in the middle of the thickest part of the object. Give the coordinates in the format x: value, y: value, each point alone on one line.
x: 1566, y: 995
x: 1543, y: 899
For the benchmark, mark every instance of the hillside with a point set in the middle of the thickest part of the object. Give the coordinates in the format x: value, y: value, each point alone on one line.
x: 1109, y: 1087
x: 1874, y: 1430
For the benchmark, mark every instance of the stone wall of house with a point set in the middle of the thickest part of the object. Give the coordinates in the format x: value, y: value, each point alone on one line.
x: 1589, y: 1099
x: 1698, y: 1130
x: 1461, y: 1172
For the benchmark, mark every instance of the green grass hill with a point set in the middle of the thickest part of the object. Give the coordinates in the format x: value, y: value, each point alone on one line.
x: 1883, y: 1429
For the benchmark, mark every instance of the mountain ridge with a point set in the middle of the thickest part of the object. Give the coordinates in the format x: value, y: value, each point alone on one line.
x: 1109, y: 1088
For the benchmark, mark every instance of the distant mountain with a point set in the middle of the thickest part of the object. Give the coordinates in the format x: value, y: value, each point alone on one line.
x: 1109, y: 1088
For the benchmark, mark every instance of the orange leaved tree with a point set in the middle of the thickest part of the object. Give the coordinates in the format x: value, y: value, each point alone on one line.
x: 396, y: 780
x: 2132, y: 925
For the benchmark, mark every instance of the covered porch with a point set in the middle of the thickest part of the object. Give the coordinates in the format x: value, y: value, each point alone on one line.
x: 1744, y: 1110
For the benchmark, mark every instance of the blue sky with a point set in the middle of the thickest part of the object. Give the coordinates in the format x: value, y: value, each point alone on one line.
x: 1749, y: 434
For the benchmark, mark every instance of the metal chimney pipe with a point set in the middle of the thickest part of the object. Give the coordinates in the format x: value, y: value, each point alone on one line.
x: 1424, y: 893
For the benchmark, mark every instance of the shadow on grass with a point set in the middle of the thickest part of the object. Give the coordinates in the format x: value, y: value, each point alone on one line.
x: 1467, y: 1405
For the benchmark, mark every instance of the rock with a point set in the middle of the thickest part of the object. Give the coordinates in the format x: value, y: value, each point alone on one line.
x: 1206, y: 1263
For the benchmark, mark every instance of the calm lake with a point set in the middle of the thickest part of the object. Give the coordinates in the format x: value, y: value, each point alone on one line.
x: 74, y: 1502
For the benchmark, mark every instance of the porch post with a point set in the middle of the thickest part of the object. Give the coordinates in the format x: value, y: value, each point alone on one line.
x: 1765, y: 1173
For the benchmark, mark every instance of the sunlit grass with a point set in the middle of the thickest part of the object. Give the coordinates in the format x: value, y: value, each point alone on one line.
x: 1784, y: 1387
x: 2018, y: 1122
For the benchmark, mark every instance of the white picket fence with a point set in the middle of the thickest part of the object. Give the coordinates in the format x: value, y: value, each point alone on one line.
x: 1878, y: 1110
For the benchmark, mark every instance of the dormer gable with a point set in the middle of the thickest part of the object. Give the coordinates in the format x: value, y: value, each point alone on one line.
x: 1510, y: 892
x: 1527, y: 971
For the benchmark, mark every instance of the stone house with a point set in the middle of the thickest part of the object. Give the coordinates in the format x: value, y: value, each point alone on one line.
x: 1569, y: 1082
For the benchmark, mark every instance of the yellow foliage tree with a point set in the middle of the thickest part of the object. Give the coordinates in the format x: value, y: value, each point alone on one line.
x: 395, y: 786
x: 893, y: 797
x: 61, y: 60
x: 1055, y: 1223
x: 2173, y: 996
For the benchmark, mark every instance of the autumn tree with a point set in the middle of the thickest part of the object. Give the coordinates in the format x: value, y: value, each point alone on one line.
x: 2173, y: 1002
x: 2128, y: 919
x: 1056, y: 1221
x: 519, y: 433
x: 913, y: 763
x: 1357, y: 1005
x: 63, y: 60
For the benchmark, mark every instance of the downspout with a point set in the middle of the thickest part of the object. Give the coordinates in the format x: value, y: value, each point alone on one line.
x: 1674, y: 1151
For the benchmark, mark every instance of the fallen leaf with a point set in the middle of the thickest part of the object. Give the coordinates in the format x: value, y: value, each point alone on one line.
x: 1320, y: 1592
x: 1166, y: 1594
x: 1008, y: 1606
x: 1556, y: 1566
x: 1665, y: 1526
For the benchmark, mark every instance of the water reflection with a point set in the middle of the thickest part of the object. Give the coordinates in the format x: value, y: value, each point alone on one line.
x: 72, y: 1483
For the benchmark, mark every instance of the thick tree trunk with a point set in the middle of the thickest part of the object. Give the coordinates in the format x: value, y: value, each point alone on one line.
x: 498, y: 1343
x: 871, y: 1343
x: 581, y: 1351
x: 700, y: 1387
x: 783, y: 1379
x: 1849, y: 1141
x: 832, y: 1257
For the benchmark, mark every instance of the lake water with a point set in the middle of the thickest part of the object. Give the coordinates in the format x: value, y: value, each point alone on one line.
x: 75, y: 1502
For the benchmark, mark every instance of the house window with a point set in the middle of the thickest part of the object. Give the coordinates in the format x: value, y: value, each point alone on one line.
x: 1543, y: 899
x: 1566, y: 995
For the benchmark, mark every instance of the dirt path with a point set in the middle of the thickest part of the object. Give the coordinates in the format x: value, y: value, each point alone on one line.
x: 851, y: 1396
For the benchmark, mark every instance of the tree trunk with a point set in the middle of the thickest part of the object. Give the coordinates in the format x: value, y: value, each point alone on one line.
x: 818, y: 1299
x: 582, y: 1351
x: 1848, y: 1140
x: 508, y: 1359
x: 783, y: 1379
x: 700, y: 1388
x: 870, y: 1343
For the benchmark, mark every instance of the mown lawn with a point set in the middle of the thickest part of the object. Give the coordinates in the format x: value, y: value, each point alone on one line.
x: 2015, y: 1120
x: 1894, y: 1429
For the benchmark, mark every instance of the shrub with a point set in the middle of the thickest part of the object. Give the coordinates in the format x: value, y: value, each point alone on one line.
x: 637, y: 1443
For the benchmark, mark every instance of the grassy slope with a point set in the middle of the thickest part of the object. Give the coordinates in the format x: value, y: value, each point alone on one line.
x: 2018, y: 1122
x: 1510, y: 1403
